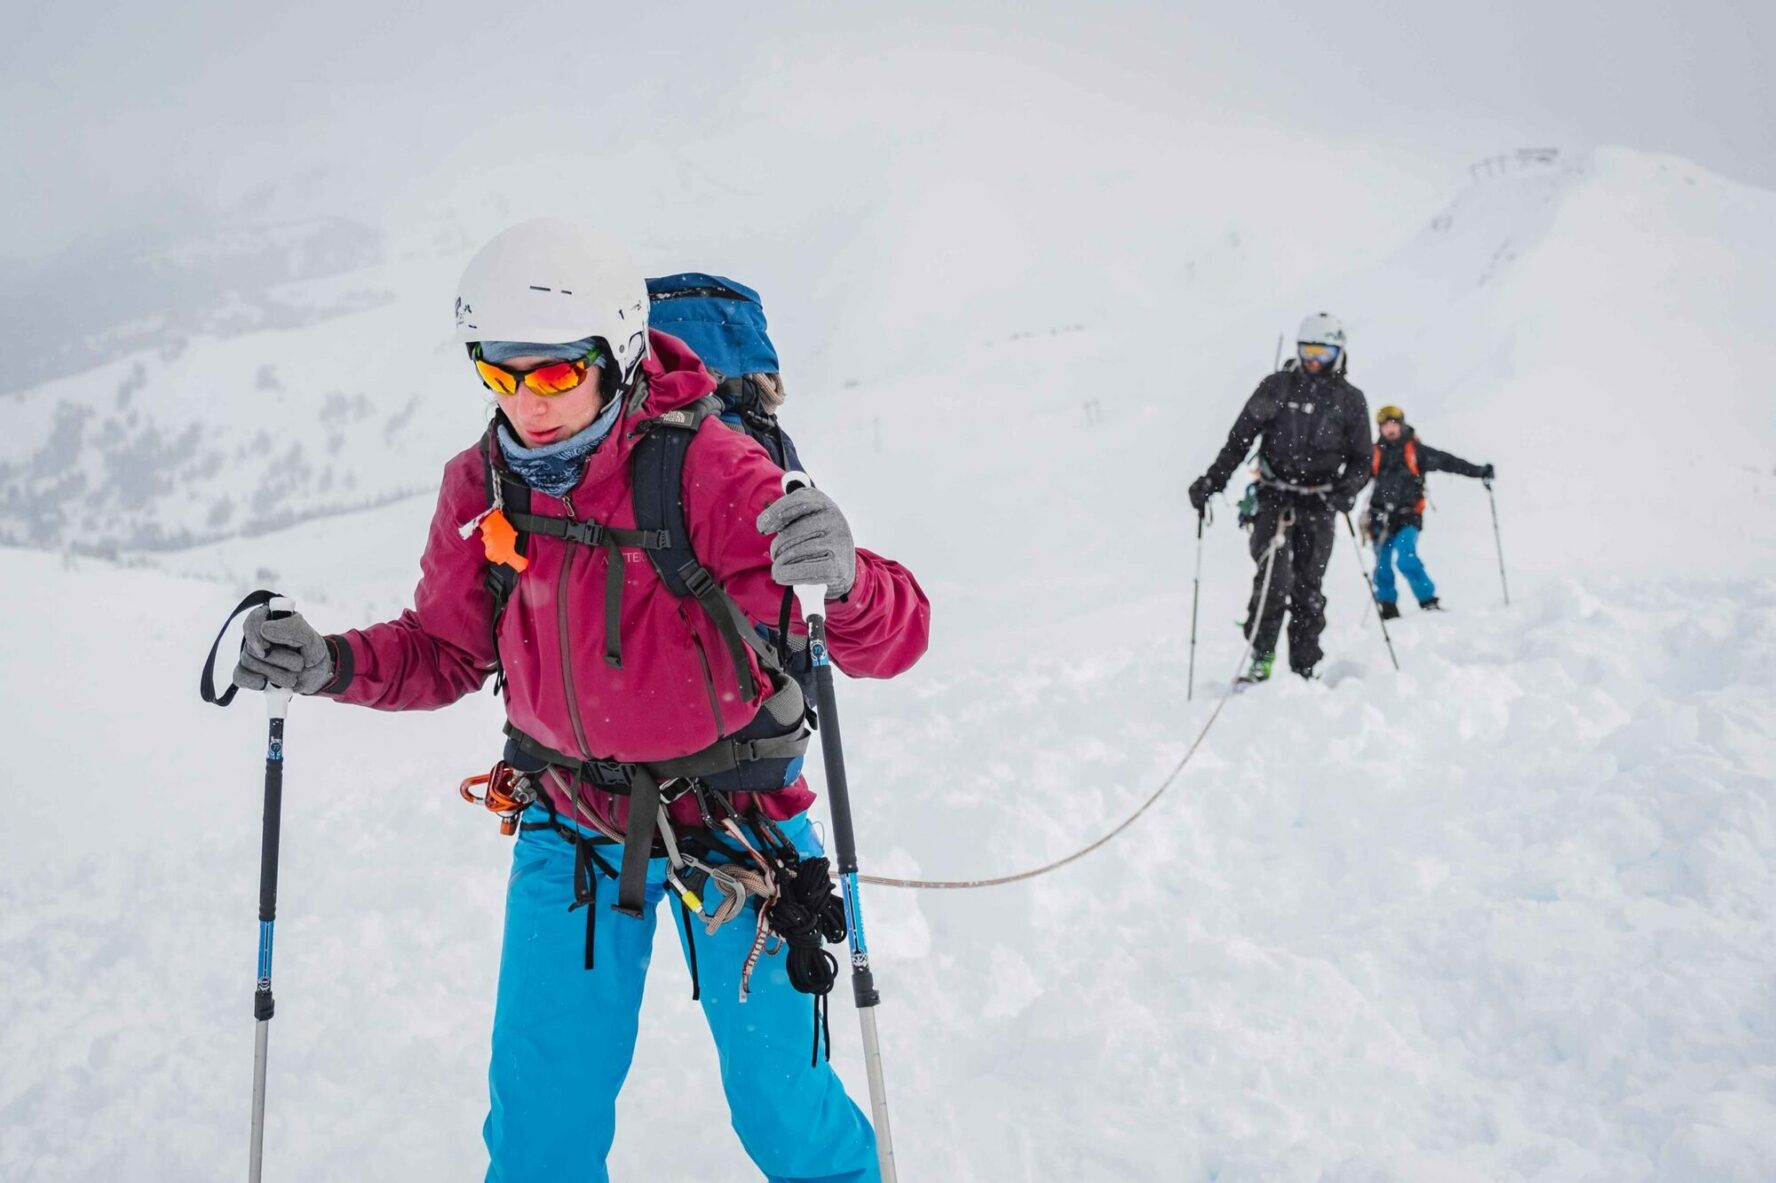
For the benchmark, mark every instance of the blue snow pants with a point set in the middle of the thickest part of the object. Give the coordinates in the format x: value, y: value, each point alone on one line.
x: 563, y: 1035
x: 1401, y: 545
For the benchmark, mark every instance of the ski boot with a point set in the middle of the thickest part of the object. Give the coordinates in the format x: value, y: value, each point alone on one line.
x: 1260, y: 671
x: 1305, y: 673
x: 1389, y: 610
x: 1430, y: 605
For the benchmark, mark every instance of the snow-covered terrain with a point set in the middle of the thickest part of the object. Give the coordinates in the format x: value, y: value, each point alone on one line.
x: 1504, y: 915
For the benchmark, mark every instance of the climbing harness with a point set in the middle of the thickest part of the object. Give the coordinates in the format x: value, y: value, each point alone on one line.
x: 795, y: 906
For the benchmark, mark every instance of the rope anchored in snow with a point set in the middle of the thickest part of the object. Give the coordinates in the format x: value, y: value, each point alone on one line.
x: 1284, y: 520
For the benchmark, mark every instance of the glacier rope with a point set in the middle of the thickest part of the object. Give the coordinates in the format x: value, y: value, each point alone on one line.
x: 1285, y: 519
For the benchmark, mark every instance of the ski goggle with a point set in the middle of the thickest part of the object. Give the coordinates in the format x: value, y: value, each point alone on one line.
x: 1324, y: 354
x: 548, y: 380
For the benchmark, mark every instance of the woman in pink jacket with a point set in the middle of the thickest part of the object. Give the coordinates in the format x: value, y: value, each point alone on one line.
x: 651, y: 711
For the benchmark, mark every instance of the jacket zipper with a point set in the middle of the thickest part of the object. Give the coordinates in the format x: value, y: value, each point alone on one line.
x: 567, y: 671
x: 708, y: 675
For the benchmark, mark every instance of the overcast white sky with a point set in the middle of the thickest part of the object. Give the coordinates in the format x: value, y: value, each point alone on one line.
x: 122, y: 116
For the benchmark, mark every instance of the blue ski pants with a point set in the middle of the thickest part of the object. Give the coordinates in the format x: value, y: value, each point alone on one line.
x: 1401, y: 546
x: 563, y: 1035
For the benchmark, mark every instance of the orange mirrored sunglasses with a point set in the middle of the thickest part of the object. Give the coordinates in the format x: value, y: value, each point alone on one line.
x: 548, y: 380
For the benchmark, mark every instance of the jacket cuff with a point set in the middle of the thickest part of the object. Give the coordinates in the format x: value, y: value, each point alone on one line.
x: 344, y: 665
x: 856, y: 599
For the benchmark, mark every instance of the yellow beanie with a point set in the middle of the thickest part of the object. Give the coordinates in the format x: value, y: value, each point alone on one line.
x: 1390, y: 412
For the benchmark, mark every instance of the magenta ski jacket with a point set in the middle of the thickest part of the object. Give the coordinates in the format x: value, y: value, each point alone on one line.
x: 676, y: 692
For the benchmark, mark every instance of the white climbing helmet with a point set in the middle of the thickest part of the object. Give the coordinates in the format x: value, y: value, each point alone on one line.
x: 551, y: 282
x: 1322, y: 328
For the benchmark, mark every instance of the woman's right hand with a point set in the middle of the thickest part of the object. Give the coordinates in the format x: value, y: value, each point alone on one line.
x: 286, y: 653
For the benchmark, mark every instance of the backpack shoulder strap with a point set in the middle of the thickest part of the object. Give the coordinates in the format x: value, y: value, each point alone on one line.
x: 1412, y: 457
x: 1375, y: 462
x: 658, y: 479
x: 504, y: 490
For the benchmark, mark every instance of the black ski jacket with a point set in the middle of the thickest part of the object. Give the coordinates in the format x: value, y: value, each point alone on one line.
x: 1398, y: 499
x: 1315, y: 429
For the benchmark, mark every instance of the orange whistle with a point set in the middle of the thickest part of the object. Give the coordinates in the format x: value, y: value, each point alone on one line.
x: 500, y: 540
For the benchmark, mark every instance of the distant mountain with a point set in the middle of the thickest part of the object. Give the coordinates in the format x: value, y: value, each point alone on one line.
x: 242, y: 382
x: 102, y: 301
x: 224, y: 386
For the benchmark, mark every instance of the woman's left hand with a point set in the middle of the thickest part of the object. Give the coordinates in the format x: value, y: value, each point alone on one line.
x: 813, y: 543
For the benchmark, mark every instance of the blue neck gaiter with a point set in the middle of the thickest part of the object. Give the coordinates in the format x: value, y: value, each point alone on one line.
x: 556, y: 468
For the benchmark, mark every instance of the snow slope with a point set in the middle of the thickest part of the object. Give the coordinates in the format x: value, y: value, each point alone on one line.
x: 1504, y: 915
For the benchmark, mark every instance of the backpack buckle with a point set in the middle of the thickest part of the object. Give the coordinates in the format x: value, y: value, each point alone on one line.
x: 606, y: 774
x: 697, y: 578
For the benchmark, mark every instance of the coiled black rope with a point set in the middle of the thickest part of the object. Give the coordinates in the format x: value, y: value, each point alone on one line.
x: 808, y: 914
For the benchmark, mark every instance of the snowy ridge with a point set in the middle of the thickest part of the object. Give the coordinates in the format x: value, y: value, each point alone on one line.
x: 274, y: 336
x: 1505, y: 915
x: 97, y: 303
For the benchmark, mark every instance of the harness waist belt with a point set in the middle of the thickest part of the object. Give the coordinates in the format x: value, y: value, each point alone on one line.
x: 641, y: 782
x: 1287, y: 487
x: 617, y: 776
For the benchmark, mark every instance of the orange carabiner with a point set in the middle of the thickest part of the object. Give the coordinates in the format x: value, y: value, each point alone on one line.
x: 501, y: 793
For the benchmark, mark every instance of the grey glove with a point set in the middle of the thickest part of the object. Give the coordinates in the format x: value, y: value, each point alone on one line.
x: 286, y: 653
x: 813, y: 543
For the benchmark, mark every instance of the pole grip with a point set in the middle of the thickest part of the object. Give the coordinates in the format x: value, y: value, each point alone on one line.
x: 810, y: 598
x: 277, y: 698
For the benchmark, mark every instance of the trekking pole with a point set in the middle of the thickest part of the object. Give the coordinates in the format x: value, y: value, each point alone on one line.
x: 1369, y: 584
x: 1195, y: 598
x: 1497, y: 542
x: 863, y: 983
x: 277, y: 705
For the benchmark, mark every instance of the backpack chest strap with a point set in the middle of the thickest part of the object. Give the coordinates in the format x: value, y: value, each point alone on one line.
x: 590, y: 533
x: 614, y: 540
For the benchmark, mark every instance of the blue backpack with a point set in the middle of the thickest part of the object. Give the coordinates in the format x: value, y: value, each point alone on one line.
x: 724, y: 324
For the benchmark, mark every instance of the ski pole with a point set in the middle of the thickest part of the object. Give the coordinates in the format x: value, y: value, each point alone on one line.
x: 1369, y: 585
x: 1195, y: 598
x: 863, y: 983
x: 1497, y: 542
x: 277, y: 705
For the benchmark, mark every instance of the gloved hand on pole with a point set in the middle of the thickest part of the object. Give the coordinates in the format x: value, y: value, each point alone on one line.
x: 282, y: 651
x: 813, y: 545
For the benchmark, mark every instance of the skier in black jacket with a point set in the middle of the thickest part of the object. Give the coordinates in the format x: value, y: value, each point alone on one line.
x: 1396, y: 507
x: 1313, y: 461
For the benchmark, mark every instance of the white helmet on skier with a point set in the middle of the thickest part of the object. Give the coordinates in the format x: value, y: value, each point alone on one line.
x: 550, y: 282
x: 1320, y: 339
